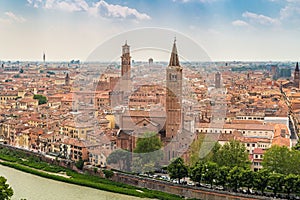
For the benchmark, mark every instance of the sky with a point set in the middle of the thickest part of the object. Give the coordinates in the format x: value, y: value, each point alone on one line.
x: 227, y: 30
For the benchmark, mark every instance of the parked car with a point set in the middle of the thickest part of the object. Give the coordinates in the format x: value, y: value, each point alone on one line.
x: 191, y: 183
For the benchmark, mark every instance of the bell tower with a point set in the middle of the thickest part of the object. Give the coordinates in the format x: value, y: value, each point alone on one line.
x: 296, y: 76
x: 218, y: 80
x: 173, y: 95
x: 125, y: 62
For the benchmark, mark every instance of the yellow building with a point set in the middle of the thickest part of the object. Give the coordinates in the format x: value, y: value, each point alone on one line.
x: 76, y: 130
x: 112, y: 121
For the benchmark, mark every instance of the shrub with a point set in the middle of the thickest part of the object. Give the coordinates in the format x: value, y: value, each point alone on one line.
x: 108, y: 173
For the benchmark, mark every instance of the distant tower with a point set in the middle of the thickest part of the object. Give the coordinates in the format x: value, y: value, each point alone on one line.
x: 44, y: 57
x: 218, y: 80
x: 173, y: 96
x: 125, y: 60
x: 296, y: 76
x: 248, y: 75
x: 67, y: 79
x: 150, y: 61
x: 274, y: 72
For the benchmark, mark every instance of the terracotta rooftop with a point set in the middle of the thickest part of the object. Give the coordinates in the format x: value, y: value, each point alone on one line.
x: 258, y: 151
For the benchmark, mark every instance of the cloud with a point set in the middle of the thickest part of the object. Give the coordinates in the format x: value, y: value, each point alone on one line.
x: 69, y: 6
x: 100, y: 8
x: 117, y: 11
x: 260, y: 19
x: 239, y: 23
x: 11, y: 17
x: 14, y: 17
x: 291, y: 10
x: 34, y: 3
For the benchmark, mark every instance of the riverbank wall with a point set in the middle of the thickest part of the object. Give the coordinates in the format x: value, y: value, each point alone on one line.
x: 181, y: 190
x: 144, y: 182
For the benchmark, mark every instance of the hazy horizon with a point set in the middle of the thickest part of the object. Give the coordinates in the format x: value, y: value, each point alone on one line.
x: 225, y: 29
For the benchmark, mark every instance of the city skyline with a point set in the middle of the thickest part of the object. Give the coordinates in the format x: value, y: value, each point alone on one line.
x: 228, y: 30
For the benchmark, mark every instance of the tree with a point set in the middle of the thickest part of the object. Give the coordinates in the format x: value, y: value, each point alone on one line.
x: 177, y: 169
x: 261, y: 179
x: 120, y: 157
x: 247, y: 176
x: 222, y: 178
x: 148, y: 143
x: 232, y: 154
x: 196, y: 171
x: 290, y: 183
x: 108, y: 173
x: 79, y: 164
x: 6, y: 192
x: 147, y: 153
x: 195, y: 149
x: 234, y: 177
x: 95, y: 170
x: 210, y: 170
x: 42, y: 99
x: 202, y: 148
x: 282, y: 160
x: 276, y: 182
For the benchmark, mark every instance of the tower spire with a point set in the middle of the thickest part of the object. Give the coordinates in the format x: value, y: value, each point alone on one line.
x: 297, y: 67
x: 174, y: 61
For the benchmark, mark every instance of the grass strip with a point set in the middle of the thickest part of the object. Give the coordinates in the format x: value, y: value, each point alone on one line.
x: 96, y: 182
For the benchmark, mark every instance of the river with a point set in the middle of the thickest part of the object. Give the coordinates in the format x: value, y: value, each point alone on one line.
x: 33, y: 187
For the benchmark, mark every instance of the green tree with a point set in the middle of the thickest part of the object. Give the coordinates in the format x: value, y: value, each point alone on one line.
x: 202, y: 148
x: 276, y: 182
x: 232, y: 154
x: 222, y: 178
x: 79, y: 164
x: 195, y: 149
x: 42, y: 99
x: 290, y: 183
x: 120, y: 157
x: 95, y: 170
x: 147, y: 153
x: 247, y: 176
x: 294, y: 162
x: 261, y: 180
x: 177, y: 169
x: 210, y: 170
x: 234, y: 177
x: 108, y: 173
x: 195, y: 172
x: 150, y: 142
x: 6, y: 192
x: 282, y: 160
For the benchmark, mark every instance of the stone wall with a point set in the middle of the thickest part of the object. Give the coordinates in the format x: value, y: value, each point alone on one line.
x: 181, y: 190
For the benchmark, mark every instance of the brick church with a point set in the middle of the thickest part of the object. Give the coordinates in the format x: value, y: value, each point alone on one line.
x: 168, y: 123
